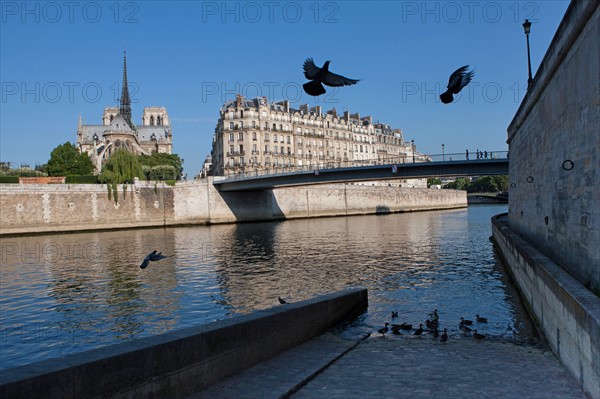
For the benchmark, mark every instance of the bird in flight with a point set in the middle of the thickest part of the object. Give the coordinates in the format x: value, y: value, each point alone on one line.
x: 459, y: 79
x: 152, y: 257
x: 321, y: 76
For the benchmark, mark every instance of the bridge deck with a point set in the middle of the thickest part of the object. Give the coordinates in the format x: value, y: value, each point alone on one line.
x: 479, y: 167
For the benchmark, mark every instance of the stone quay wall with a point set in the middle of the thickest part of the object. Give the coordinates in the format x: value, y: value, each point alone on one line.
x: 554, y: 146
x: 179, y: 363
x: 566, y: 311
x: 27, y: 209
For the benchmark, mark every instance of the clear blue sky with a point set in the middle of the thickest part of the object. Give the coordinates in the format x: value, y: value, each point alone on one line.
x: 62, y: 59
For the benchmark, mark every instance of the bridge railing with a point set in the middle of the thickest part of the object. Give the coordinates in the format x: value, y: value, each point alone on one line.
x: 316, y: 166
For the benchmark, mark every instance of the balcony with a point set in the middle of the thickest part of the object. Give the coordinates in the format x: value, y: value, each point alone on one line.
x: 236, y: 153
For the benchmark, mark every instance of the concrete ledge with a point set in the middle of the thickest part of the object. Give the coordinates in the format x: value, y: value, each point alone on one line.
x: 182, y: 362
x: 566, y: 312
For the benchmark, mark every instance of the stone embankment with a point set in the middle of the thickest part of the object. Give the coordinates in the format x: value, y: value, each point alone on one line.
x: 33, y: 208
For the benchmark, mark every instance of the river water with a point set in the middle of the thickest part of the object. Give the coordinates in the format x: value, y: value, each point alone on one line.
x: 61, y: 294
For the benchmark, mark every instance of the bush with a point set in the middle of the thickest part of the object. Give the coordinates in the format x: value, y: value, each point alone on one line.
x: 170, y: 182
x: 24, y: 173
x: 9, y: 179
x: 82, y: 179
x: 162, y: 172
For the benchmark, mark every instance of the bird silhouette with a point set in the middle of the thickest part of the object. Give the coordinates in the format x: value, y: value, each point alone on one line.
x: 383, y: 330
x: 480, y: 319
x: 153, y: 256
x: 466, y: 322
x: 459, y: 79
x: 419, y: 330
x: 319, y: 76
x: 394, y: 315
x: 476, y: 335
x: 464, y: 329
x: 282, y: 301
x: 444, y: 337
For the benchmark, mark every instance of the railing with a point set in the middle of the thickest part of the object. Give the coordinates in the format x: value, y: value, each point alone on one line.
x: 268, y: 169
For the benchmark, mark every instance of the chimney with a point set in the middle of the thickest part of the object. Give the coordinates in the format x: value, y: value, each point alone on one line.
x: 238, y: 101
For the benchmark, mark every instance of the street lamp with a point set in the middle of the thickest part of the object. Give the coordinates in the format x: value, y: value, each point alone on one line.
x: 527, y: 29
x: 412, y: 144
x: 443, y: 156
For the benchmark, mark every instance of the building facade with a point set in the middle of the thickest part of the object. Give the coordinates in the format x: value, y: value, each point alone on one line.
x: 255, y: 135
x: 118, y: 131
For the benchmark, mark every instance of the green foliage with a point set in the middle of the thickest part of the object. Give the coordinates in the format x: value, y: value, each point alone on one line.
x: 170, y: 182
x: 86, y: 179
x: 9, y: 179
x: 458, y: 184
x: 121, y: 167
x: 483, y: 184
x: 433, y: 182
x: 162, y: 172
x: 67, y: 160
x: 42, y: 168
x: 23, y: 173
x: 158, y: 159
x: 109, y: 189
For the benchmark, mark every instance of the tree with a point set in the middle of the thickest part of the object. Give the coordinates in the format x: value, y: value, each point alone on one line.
x: 67, y: 160
x: 484, y: 184
x: 161, y: 159
x: 458, y: 184
x: 121, y: 167
x: 434, y: 182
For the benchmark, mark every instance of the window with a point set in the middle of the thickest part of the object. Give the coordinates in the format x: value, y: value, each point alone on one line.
x: 241, y: 114
x: 281, y: 149
x: 242, y: 161
x: 230, y: 125
x: 253, y: 125
x: 289, y: 140
x: 274, y: 138
x: 241, y: 136
x: 254, y: 136
x: 231, y: 136
x: 241, y: 124
x: 230, y: 149
x: 266, y: 136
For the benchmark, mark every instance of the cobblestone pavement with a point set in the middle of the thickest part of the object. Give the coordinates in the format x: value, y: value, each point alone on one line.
x: 412, y: 367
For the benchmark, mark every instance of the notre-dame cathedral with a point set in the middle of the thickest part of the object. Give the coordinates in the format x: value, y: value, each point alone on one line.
x: 118, y: 130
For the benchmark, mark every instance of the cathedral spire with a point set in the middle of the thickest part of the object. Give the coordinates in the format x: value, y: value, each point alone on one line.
x: 125, y: 106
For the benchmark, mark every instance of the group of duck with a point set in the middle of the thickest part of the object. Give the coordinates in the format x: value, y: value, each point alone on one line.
x: 432, y: 324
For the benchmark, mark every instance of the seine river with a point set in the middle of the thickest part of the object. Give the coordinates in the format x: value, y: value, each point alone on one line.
x: 61, y: 294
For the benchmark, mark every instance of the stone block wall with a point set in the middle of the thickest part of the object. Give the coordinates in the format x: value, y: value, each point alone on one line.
x: 554, y: 147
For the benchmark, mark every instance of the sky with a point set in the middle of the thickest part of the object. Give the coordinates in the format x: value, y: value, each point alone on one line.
x: 63, y: 59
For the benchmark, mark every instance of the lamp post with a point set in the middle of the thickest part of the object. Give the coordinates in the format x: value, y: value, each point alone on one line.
x: 412, y: 144
x: 527, y: 29
x: 443, y: 155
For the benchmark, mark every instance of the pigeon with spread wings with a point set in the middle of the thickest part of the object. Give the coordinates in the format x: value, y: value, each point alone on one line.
x: 153, y: 256
x: 459, y: 79
x: 321, y: 76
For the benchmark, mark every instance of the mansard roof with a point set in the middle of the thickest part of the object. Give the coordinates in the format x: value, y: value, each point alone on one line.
x: 145, y: 132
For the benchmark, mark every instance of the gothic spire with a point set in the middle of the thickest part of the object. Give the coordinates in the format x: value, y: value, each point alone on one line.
x: 125, y: 106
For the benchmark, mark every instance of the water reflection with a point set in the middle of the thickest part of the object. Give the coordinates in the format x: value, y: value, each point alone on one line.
x: 62, y: 294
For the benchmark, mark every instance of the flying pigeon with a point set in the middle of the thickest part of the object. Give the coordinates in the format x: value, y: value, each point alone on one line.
x: 152, y: 257
x: 319, y: 76
x: 459, y: 79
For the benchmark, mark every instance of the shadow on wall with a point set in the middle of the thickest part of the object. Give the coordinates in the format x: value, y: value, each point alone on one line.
x: 250, y: 206
x: 382, y: 209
